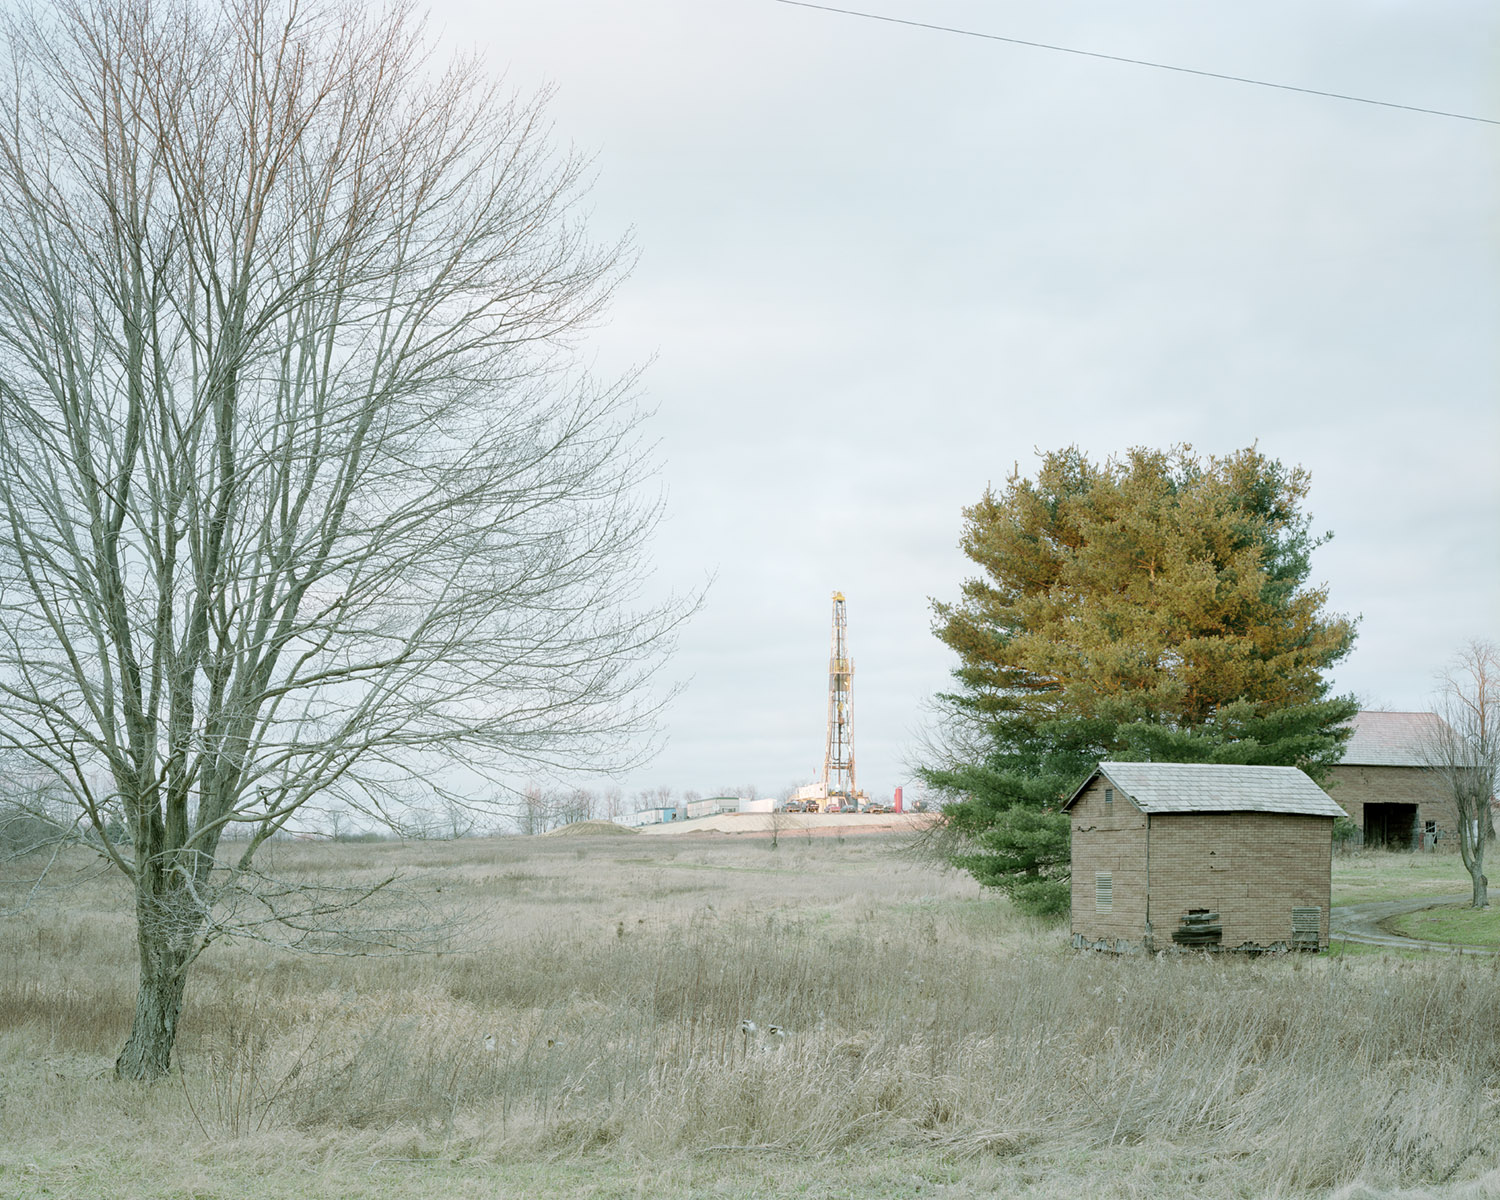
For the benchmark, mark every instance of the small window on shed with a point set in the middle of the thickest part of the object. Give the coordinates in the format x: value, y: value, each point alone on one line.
x: 1104, y: 891
x: 1109, y: 796
x: 1307, y: 920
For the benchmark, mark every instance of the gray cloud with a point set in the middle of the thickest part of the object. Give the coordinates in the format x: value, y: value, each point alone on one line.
x: 879, y: 266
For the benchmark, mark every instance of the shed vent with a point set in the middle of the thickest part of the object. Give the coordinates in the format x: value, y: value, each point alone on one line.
x: 1109, y: 796
x: 1104, y: 891
x: 1307, y: 928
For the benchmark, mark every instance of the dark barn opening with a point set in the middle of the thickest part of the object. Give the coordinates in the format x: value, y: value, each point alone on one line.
x: 1391, y: 826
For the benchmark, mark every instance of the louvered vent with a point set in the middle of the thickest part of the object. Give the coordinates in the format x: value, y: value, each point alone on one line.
x: 1104, y: 891
x: 1307, y: 920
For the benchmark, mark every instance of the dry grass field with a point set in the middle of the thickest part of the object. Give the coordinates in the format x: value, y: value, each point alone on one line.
x: 586, y: 1038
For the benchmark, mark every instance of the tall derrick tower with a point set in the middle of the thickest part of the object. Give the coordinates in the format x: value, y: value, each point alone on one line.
x: 838, y: 757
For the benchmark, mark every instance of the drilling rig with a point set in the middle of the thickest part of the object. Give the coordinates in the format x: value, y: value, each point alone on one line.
x: 836, y: 791
x: 838, y: 756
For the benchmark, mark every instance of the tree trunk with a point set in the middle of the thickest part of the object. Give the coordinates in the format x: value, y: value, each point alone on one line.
x: 166, y: 928
x: 1481, y: 886
x: 148, y: 1051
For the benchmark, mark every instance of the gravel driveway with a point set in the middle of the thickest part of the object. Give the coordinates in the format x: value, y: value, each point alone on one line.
x: 1361, y: 923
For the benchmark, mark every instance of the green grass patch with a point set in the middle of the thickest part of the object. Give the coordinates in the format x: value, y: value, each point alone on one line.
x: 1460, y: 926
x: 1373, y: 875
x: 1339, y: 948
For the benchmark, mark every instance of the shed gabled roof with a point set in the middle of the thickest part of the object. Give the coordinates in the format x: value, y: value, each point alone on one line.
x: 1214, y: 787
x: 1389, y: 739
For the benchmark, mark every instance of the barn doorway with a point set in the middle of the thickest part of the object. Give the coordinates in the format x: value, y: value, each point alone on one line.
x: 1391, y: 826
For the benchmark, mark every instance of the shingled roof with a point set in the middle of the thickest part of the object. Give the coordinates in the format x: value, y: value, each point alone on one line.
x: 1388, y: 739
x: 1213, y: 787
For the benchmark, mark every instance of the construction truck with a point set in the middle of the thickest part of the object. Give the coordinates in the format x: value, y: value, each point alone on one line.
x: 811, y: 798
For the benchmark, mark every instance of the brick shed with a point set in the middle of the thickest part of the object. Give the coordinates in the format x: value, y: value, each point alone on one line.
x: 1152, y: 841
x: 1381, y: 782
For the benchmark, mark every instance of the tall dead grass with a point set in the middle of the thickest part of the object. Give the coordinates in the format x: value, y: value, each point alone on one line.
x: 634, y: 1000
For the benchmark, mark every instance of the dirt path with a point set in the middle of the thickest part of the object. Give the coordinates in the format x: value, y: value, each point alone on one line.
x: 1361, y: 923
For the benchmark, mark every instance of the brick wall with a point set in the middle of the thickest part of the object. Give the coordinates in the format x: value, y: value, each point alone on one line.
x: 1250, y: 868
x: 1109, y: 838
x: 1352, y: 787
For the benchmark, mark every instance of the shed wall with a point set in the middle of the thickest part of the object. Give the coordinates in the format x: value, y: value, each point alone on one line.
x: 1108, y: 838
x: 1250, y: 868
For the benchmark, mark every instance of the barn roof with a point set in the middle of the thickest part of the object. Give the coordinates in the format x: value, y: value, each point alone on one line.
x: 1388, y: 739
x: 1213, y: 787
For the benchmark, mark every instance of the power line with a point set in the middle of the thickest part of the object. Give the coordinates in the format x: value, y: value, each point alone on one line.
x: 1135, y: 62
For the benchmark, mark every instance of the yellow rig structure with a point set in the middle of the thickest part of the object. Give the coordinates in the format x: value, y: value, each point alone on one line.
x: 838, y: 789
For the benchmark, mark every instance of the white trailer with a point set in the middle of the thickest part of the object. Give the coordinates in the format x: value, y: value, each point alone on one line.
x: 645, y: 816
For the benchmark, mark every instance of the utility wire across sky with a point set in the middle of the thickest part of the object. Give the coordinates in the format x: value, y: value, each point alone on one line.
x: 1135, y: 62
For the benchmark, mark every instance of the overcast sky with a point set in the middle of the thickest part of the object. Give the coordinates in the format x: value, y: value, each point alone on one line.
x: 880, y: 265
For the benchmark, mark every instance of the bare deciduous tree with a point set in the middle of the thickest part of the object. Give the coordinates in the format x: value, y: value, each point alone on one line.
x: 448, y: 821
x: 34, y: 816
x: 1463, y: 750
x: 303, y: 496
x: 744, y: 791
x: 580, y: 804
x: 614, y: 802
x: 535, y: 813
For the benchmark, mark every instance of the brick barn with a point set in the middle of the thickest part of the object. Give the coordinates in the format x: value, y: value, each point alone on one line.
x: 1381, y: 782
x: 1153, y: 842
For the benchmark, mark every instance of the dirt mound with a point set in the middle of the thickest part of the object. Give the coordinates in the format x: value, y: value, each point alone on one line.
x: 589, y: 829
